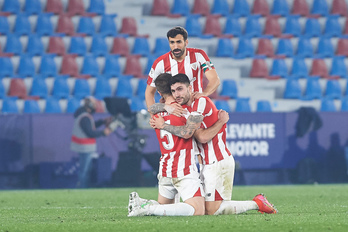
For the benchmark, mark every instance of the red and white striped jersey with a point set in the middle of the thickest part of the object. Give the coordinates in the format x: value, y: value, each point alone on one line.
x: 178, y: 154
x: 195, y: 63
x: 215, y: 149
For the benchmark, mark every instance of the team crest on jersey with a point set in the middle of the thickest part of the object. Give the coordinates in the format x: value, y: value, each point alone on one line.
x: 194, y: 66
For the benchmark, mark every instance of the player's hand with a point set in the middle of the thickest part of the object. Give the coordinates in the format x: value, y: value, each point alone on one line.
x: 107, y: 131
x: 197, y: 95
x: 223, y: 116
x: 156, y: 122
x: 175, y: 109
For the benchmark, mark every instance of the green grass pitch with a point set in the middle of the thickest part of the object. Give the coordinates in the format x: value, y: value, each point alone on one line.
x: 301, y: 208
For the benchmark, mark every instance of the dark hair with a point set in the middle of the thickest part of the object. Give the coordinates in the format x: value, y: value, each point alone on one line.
x: 177, y: 31
x: 180, y: 78
x: 162, y: 83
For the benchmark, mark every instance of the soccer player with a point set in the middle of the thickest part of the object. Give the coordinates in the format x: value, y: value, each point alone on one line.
x: 191, y: 61
x: 218, y: 171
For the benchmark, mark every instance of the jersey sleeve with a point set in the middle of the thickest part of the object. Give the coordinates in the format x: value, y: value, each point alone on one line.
x: 204, y: 60
x: 156, y: 69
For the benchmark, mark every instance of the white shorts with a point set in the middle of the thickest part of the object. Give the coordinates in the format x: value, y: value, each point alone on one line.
x: 218, y: 179
x: 186, y: 186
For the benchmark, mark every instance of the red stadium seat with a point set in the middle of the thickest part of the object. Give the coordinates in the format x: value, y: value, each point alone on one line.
x: 265, y: 47
x: 261, y: 7
x: 259, y: 68
x: 212, y: 26
x: 70, y: 67
x: 272, y: 26
x: 129, y: 26
x: 342, y: 47
x: 54, y: 6
x: 300, y: 7
x: 17, y: 88
x: 133, y: 66
x: 319, y: 68
x: 160, y: 8
x: 76, y: 7
x: 201, y: 7
x: 120, y: 46
x: 65, y: 25
x: 339, y: 7
x: 56, y: 45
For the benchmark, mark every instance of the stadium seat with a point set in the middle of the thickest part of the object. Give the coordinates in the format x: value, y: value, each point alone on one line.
x: 263, y: 106
x: 137, y: 104
x: 200, y: 7
x: 300, y: 7
x: 124, y: 88
x: 141, y: 87
x: 220, y: 7
x: 9, y: 106
x: 31, y: 107
x: 77, y: 45
x: 35, y: 46
x: 285, y: 47
x: 26, y: 67
x: 4, y: 25
x: 212, y: 26
x: 52, y: 106
x: 56, y: 45
x: 17, y: 88
x: 279, y: 68
x: 338, y: 67
x: 241, y: 8
x: 304, y: 47
x: 12, y: 6
x: 54, y: 6
x: 320, y: 7
x: 81, y: 88
x: 327, y: 105
x: 242, y: 105
x: 280, y: 7
x: 133, y: 66
x: 333, y: 89
x: 229, y: 88
x: 141, y: 46
x: 76, y: 7
x: 99, y: 46
x: 225, y: 48
x: 60, y: 88
x: 265, y: 47
x: 160, y: 8
x: 232, y: 26
x: 150, y: 61
x: 312, y: 28
x: 161, y: 46
x: 44, y: 25
x: 13, y: 45
x: 259, y: 68
x: 252, y: 26
x: 129, y: 26
x: 313, y: 89
x: 69, y: 65
x: 96, y: 6
x: 112, y: 66
x: 292, y: 89
x: 339, y: 7
x: 6, y: 67
x: 90, y: 66
x: 86, y: 26
x: 342, y: 47
x: 319, y: 68
x: 108, y: 26
x: 325, y: 48
x: 120, y: 46
x: 48, y: 66
x: 292, y: 26
x: 32, y: 7
x: 102, y: 88
x: 272, y: 26
x: 65, y: 25
x: 261, y: 7
x: 39, y: 88
x: 222, y: 105
x: 245, y: 48
x: 2, y: 90
x: 344, y: 104
x: 299, y: 68
x: 193, y: 26
x: 180, y: 7
x: 22, y: 25
x: 73, y: 104
x: 332, y: 26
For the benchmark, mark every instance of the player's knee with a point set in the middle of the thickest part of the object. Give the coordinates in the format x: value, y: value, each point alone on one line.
x: 199, y: 210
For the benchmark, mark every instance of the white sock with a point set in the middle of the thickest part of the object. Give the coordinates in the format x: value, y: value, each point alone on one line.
x: 178, y: 209
x: 235, y: 207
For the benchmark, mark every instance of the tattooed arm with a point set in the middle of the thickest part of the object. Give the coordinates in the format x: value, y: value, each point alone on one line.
x: 174, y: 108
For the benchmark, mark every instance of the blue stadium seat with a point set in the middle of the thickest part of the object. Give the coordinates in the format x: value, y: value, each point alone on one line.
x: 60, y: 88
x: 292, y: 26
x: 9, y: 105
x: 6, y: 67
x: 299, y: 68
x: 280, y: 7
x: 313, y: 89
x: 142, y: 84
x: 245, y: 48
x: 312, y: 28
x: 320, y: 7
x: 161, y: 46
x: 332, y: 26
x: 285, y: 47
x: 180, y: 7
x: 86, y: 26
x: 22, y: 25
x: 32, y: 7
x: 150, y: 60
x: 304, y: 47
x: 137, y: 104
x: 48, y: 66
x: 333, y: 89
x: 73, y: 104
x: 44, y: 25
x: 325, y: 48
x: 232, y: 26
x: 31, y: 107
x: 223, y: 105
x: 292, y: 89
x: 26, y: 67
x: 263, y: 106
x: 327, y: 105
x: 252, y: 26
x: 279, y: 68
x: 81, y: 88
x: 338, y: 67
x: 4, y: 25
x: 96, y: 6
x: 77, y: 45
x: 13, y: 45
x: 39, y: 88
x: 99, y: 46
x: 225, y: 48
x: 141, y: 46
x: 242, y: 105
x: 12, y: 6
x: 35, y: 46
x: 2, y: 90
x: 102, y: 88
x: 193, y: 26
x: 53, y: 106
x: 112, y: 66
x: 229, y: 88
x: 108, y: 27
x: 344, y: 104
x: 241, y: 8
x: 220, y: 7
x: 124, y: 88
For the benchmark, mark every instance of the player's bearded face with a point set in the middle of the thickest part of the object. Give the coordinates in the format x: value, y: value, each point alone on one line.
x: 178, y: 46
